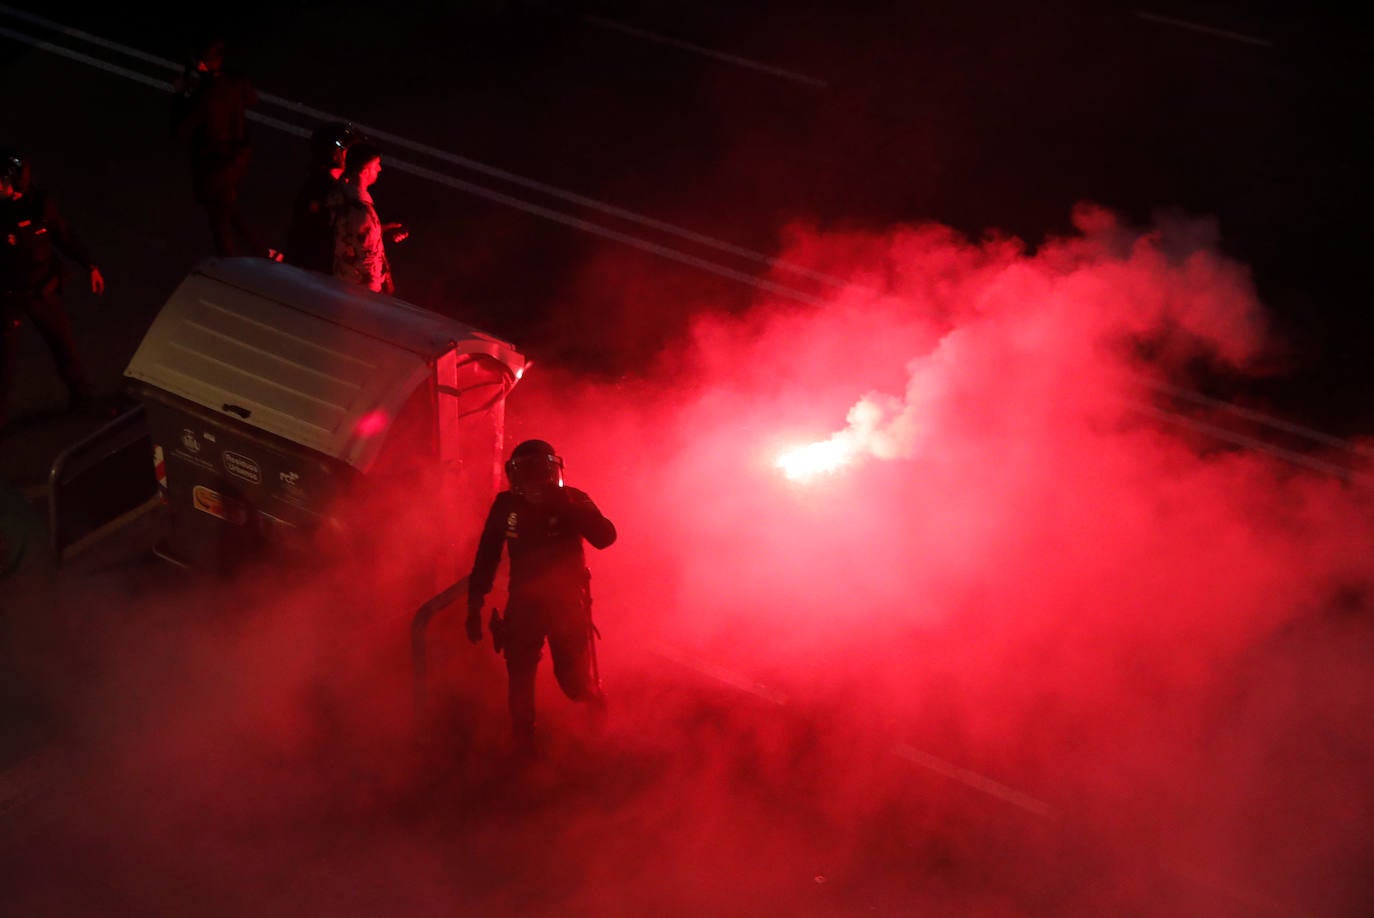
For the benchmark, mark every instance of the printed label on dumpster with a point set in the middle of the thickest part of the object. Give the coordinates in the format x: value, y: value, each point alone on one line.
x: 242, y: 466
x: 229, y: 509
x: 183, y: 456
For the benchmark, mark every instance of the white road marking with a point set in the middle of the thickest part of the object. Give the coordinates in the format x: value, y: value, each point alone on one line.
x: 1228, y: 890
x: 377, y: 133
x: 1308, y: 433
x: 735, y: 59
x: 587, y: 226
x: 608, y: 233
x: 62, y: 51
x: 33, y: 19
x: 974, y: 780
x: 1350, y: 476
x: 1204, y: 29
x: 625, y: 238
x: 721, y: 675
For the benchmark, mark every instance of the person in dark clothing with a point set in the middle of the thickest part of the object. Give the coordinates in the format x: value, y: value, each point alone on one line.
x: 34, y: 234
x: 542, y: 523
x: 310, y: 238
x: 209, y: 113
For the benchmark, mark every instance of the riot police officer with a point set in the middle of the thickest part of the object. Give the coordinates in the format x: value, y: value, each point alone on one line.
x: 542, y: 523
x: 209, y: 113
x: 32, y: 235
x: 310, y: 238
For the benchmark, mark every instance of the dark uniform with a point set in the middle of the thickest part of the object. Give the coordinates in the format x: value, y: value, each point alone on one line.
x: 543, y: 529
x: 310, y: 238
x: 209, y: 113
x: 34, y: 232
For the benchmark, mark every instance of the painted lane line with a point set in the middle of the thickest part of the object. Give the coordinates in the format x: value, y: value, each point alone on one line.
x: 1250, y: 415
x: 1042, y: 809
x: 981, y: 783
x: 552, y: 191
x: 1350, y: 476
x: 723, y: 676
x: 1204, y: 29
x: 735, y: 59
x: 691, y: 260
x: 606, y: 232
x: 569, y: 196
x: 440, y: 178
x: 1227, y: 890
x: 34, y: 19
x: 61, y: 51
x: 974, y: 780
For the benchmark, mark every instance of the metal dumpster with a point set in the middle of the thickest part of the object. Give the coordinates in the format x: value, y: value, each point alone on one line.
x: 276, y: 396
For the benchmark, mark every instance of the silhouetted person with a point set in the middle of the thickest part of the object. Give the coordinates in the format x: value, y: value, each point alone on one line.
x: 209, y: 113
x: 310, y: 237
x: 542, y: 524
x: 359, y: 246
x: 34, y: 234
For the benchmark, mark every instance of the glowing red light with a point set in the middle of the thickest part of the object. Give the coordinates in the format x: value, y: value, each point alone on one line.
x: 372, y: 423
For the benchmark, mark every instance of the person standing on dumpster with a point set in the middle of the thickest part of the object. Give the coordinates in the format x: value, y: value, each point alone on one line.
x: 359, y: 246
x: 542, y: 524
x: 32, y: 235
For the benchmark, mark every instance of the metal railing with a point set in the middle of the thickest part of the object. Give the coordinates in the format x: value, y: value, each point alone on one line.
x: 419, y: 624
x: 115, y: 464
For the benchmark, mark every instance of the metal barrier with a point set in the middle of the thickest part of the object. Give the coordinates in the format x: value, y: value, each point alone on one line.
x: 100, y: 483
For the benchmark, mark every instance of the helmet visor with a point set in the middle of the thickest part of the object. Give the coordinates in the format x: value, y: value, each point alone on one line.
x: 534, y: 471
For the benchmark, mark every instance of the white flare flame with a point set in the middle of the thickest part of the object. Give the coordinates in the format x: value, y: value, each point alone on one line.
x: 824, y: 457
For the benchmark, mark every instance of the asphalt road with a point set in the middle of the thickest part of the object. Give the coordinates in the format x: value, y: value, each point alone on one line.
x: 677, y: 141
x: 580, y: 131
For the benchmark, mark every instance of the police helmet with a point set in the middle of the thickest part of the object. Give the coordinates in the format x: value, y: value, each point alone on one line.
x: 330, y: 142
x: 534, y: 465
x: 14, y: 168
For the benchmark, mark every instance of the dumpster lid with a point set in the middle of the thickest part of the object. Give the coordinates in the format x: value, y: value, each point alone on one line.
x: 301, y: 355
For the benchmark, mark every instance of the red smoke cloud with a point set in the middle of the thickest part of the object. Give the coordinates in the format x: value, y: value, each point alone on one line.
x: 1026, y: 645
x: 1013, y: 546
x: 988, y: 402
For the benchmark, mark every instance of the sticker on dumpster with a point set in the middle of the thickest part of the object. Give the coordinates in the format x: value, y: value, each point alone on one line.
x: 229, y: 509
x: 160, y: 471
x: 242, y: 466
x: 189, y: 441
x: 198, y: 462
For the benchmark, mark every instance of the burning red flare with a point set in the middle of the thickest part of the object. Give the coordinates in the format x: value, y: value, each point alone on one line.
x: 824, y: 457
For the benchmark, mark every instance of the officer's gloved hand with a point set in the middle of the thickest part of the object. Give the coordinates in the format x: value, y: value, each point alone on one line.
x: 474, y: 620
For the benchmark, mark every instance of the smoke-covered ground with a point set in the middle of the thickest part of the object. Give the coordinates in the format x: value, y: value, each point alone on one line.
x: 1016, y: 646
